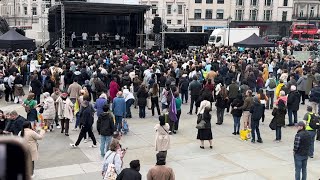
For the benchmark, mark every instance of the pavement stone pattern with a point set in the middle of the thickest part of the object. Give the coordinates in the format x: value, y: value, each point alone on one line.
x: 230, y: 158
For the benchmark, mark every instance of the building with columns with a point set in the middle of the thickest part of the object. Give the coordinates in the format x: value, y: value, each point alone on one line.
x: 172, y: 12
x: 306, y: 11
x: 30, y: 15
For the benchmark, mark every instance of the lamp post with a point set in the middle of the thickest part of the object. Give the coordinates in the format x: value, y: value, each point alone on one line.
x: 229, y: 21
x: 184, y: 17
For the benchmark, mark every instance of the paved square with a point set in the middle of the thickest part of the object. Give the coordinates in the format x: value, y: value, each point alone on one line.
x: 230, y: 158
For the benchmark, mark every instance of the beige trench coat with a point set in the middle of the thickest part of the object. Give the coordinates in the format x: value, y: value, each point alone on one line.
x: 162, y: 137
x: 31, y: 138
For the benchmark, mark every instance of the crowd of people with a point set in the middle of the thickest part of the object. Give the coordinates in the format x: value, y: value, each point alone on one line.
x: 78, y: 85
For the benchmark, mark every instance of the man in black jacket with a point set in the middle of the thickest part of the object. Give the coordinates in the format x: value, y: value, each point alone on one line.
x: 293, y: 105
x: 256, y: 111
x: 302, y: 142
x: 105, y: 127
x: 131, y: 173
x: 86, y: 122
x: 184, y: 86
x: 14, y: 125
x: 195, y: 88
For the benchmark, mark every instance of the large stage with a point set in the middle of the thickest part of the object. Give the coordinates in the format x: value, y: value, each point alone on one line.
x: 109, y: 19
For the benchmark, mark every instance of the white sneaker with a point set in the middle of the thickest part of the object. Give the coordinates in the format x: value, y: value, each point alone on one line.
x: 58, y: 127
x: 73, y: 146
x: 75, y: 129
x: 33, y: 176
x: 93, y: 146
x: 85, y: 141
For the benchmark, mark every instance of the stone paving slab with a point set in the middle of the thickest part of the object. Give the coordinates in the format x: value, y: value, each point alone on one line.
x: 229, y: 159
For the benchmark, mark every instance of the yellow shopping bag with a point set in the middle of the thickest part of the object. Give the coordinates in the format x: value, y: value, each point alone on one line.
x: 245, y: 134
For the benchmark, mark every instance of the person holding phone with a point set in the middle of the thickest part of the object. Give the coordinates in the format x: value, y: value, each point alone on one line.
x: 31, y: 137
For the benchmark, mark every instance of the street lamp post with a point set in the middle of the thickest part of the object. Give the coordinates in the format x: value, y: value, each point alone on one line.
x: 184, y: 16
x: 229, y: 21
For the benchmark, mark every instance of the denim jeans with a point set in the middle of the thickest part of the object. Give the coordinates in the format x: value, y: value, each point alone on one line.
x: 129, y: 103
x: 254, y: 129
x: 77, y: 120
x: 105, y: 142
x: 142, y: 111
x: 236, y: 125
x: 295, y: 116
x: 184, y: 95
x: 270, y: 95
x: 194, y: 99
x: 220, y: 114
x: 155, y: 104
x: 118, y: 123
x: 278, y: 133
x: 300, y: 163
x: 313, y: 136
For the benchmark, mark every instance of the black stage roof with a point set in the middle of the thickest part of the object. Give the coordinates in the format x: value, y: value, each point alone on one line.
x: 100, y: 8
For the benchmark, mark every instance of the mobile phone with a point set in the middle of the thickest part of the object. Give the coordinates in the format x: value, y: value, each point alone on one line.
x: 15, y: 162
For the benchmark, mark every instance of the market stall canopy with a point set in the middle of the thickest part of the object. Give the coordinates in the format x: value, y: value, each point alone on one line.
x: 254, y: 41
x: 13, y: 40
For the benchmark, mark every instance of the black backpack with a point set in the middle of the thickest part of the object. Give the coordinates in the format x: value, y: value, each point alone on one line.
x: 314, y: 121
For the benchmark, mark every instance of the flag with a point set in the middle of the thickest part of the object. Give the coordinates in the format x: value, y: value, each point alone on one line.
x: 172, y: 109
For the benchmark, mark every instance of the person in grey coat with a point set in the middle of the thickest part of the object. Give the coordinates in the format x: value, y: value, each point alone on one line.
x: 301, y: 86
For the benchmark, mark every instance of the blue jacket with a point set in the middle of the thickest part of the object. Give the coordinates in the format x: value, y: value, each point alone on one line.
x: 119, y: 106
x: 100, y: 102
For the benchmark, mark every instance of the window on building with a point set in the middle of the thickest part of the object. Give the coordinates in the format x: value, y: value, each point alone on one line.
x: 25, y: 10
x: 196, y: 28
x: 154, y: 9
x: 285, y: 2
x: 267, y: 15
x: 301, y: 13
x: 197, y: 14
x: 34, y: 11
x: 169, y: 6
x: 209, y: 1
x: 168, y: 21
x: 239, y: 15
x: 197, y: 1
x: 254, y: 2
x: 284, y: 15
x: 179, y: 9
x: 208, y: 13
x: 253, y: 15
x: 219, y: 13
x: 267, y: 2
x: 19, y: 10
x: 312, y: 12
x: 239, y: 2
x: 220, y: 1
x: 179, y: 22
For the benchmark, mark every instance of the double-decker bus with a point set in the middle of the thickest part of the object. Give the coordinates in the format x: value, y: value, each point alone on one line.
x: 303, y: 31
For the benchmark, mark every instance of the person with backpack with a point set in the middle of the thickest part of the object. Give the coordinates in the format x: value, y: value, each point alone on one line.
x: 293, y: 105
x: 271, y: 85
x: 184, y: 86
x: 195, y: 88
x: 279, y: 115
x: 105, y: 127
x: 314, y: 97
x: 312, y: 124
x: 256, y: 111
x: 301, y: 86
x: 221, y: 104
